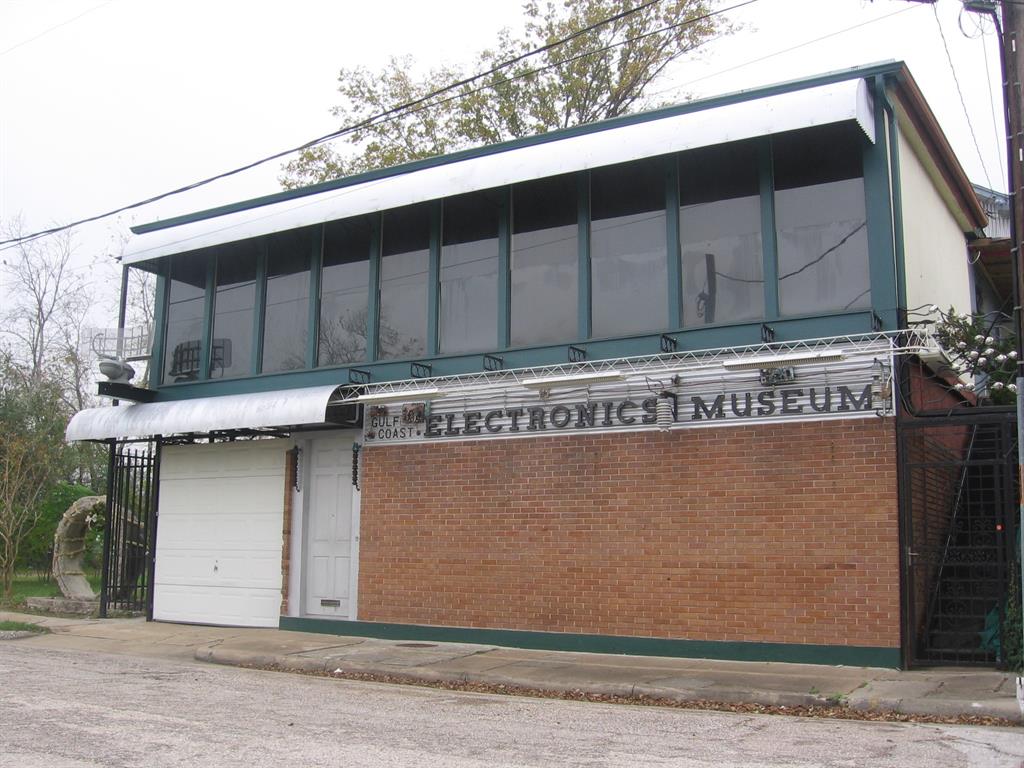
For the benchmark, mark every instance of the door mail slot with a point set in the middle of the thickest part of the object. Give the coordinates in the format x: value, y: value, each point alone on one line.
x: 330, y: 603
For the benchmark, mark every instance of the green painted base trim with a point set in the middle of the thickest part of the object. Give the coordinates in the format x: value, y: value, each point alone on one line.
x: 794, y: 653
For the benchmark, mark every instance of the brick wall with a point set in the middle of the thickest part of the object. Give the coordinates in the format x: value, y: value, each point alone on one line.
x: 772, y: 533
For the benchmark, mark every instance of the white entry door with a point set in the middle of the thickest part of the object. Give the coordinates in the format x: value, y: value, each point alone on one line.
x: 332, y: 539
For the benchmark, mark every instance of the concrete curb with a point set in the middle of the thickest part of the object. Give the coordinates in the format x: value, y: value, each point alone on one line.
x: 216, y: 654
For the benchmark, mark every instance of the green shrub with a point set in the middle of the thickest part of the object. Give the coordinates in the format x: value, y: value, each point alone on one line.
x: 37, y: 550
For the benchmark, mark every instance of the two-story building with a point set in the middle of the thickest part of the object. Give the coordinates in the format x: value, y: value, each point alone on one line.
x: 630, y: 386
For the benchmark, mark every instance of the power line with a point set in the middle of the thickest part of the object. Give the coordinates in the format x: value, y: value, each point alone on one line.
x: 992, y: 105
x: 54, y: 27
x: 387, y: 114
x: 963, y: 103
x: 785, y: 50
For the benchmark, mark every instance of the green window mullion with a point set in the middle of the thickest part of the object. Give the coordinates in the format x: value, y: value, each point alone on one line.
x: 373, y: 300
x: 206, y: 350
x: 315, y: 265
x: 879, y: 208
x: 505, y: 269
x: 434, y: 279
x: 583, y: 229
x: 769, y: 243
x: 156, y: 371
x: 675, y: 315
x: 259, y: 315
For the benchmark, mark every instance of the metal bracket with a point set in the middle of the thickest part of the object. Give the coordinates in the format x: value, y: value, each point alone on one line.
x: 876, y: 322
x: 767, y: 333
x: 493, y: 363
x: 420, y: 370
x: 669, y: 343
x: 358, y: 376
x: 577, y: 354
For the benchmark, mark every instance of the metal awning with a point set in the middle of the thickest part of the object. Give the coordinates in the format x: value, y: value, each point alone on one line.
x: 259, y: 410
x: 759, y: 116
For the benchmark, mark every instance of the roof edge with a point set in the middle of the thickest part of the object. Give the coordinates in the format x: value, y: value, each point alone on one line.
x: 870, y: 70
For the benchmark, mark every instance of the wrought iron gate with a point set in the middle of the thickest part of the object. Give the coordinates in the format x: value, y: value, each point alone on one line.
x: 958, y: 498
x: 130, y: 535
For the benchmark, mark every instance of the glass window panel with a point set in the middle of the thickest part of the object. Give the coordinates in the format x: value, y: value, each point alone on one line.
x: 720, y: 235
x: 404, y: 273
x: 544, y: 262
x: 344, y: 292
x: 821, y: 221
x: 234, y: 305
x: 183, y: 348
x: 286, y: 322
x: 628, y: 269
x: 469, y: 273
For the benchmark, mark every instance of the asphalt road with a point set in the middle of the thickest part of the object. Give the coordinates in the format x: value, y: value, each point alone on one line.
x: 70, y: 709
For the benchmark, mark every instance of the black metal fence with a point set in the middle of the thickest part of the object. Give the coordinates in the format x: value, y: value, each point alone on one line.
x: 130, y: 536
x: 959, y: 497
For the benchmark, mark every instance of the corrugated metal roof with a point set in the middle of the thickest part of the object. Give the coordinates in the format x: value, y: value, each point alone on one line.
x: 775, y: 113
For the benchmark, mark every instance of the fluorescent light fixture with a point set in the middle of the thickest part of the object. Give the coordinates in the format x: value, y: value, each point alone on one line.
x: 400, y: 396
x: 780, y: 361
x: 547, y: 382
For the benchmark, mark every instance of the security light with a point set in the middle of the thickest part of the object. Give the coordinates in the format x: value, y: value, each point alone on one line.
x: 403, y: 396
x: 547, y: 382
x: 781, y: 361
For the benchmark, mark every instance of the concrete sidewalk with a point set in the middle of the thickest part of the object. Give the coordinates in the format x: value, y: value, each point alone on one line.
x: 946, y: 692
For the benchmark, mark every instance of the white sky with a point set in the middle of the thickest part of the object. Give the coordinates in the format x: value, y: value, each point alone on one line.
x: 105, y: 102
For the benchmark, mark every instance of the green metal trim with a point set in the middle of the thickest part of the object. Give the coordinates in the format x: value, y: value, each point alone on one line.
x: 769, y: 237
x: 894, y: 68
x: 373, y: 301
x: 584, y: 314
x: 206, y: 352
x: 675, y: 291
x: 434, y: 279
x: 878, y: 205
x: 504, y: 303
x: 156, y: 360
x: 315, y: 265
x: 260, y: 315
x: 792, y: 653
x: 789, y: 329
x: 897, y: 203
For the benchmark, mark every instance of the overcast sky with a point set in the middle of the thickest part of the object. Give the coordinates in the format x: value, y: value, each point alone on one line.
x: 105, y: 102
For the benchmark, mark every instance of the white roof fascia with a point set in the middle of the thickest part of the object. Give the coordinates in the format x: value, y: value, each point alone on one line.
x: 280, y: 408
x: 821, y: 105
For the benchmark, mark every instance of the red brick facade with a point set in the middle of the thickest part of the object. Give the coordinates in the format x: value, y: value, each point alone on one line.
x: 769, y: 533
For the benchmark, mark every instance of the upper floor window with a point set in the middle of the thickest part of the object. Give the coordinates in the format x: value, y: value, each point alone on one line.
x: 544, y: 262
x: 628, y: 246
x: 821, y: 220
x: 469, y: 272
x: 344, y: 292
x: 286, y: 320
x: 720, y: 235
x: 404, y: 282
x: 186, y: 302
x: 234, y: 310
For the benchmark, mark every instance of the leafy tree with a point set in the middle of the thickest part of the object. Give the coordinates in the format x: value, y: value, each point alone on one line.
x: 33, y: 415
x: 599, y: 74
x: 36, y: 552
x: 977, y: 350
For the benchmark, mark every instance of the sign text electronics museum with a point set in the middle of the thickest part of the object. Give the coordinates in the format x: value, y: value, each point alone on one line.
x: 414, y: 422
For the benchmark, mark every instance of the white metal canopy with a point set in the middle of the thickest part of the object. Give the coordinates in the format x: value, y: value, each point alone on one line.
x: 820, y: 105
x: 281, y: 408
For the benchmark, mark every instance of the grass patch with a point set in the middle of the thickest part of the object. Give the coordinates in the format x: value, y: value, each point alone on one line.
x: 27, y: 585
x: 21, y: 626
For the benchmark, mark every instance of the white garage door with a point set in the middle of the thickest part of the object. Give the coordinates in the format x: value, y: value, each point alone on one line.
x: 218, y: 546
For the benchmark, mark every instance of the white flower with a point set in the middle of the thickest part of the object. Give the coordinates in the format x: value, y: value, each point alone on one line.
x: 973, y: 355
x: 997, y: 385
x: 990, y: 351
x: 961, y: 345
x: 979, y: 338
x: 989, y: 340
x: 982, y: 360
x: 1000, y: 358
x: 1012, y: 387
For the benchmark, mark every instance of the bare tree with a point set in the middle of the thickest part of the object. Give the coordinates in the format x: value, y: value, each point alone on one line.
x: 32, y: 451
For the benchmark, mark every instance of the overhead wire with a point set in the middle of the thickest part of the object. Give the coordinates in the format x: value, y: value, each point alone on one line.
x: 963, y: 103
x: 390, y: 113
